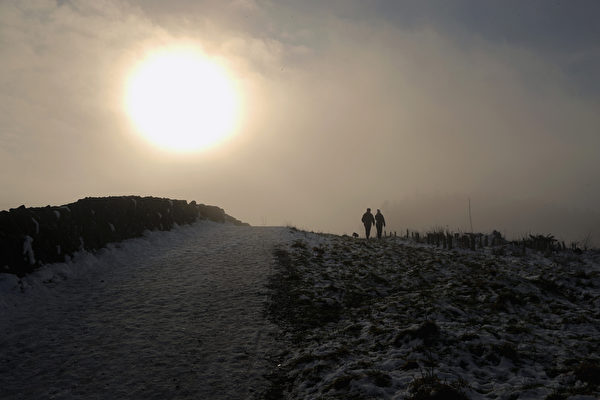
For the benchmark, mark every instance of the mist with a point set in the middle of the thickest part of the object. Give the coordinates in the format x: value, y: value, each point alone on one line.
x: 515, y: 218
x: 344, y: 108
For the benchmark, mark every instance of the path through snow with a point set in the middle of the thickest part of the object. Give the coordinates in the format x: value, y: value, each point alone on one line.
x: 175, y: 315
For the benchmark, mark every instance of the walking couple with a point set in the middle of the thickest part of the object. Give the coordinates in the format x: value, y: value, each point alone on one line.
x: 368, y: 220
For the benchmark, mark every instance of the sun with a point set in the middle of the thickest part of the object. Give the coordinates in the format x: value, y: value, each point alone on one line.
x: 180, y: 100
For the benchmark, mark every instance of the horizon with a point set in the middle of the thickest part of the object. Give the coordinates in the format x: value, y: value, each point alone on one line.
x: 435, y: 221
x: 306, y: 114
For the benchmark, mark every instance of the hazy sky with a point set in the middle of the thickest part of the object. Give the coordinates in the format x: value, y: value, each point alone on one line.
x: 413, y: 106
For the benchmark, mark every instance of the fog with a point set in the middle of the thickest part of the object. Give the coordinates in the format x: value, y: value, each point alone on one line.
x: 344, y: 107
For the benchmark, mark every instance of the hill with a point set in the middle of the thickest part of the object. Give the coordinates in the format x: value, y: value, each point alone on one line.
x: 395, y: 319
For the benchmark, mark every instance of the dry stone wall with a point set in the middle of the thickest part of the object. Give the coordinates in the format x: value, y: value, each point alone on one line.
x: 30, y: 237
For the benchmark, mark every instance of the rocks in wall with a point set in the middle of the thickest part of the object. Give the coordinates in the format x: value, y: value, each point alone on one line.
x: 217, y: 214
x: 212, y: 213
x: 30, y: 237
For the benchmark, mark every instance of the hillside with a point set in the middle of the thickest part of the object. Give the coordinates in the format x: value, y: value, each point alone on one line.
x: 394, y: 319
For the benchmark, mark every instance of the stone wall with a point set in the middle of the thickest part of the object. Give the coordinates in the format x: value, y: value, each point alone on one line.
x: 30, y: 237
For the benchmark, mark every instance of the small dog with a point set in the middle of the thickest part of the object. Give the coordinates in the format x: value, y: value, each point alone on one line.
x: 355, y: 234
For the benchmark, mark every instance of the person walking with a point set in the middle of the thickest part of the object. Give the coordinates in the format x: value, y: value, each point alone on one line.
x: 368, y: 220
x: 379, y: 223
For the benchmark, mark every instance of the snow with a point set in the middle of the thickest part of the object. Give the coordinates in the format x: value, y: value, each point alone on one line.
x: 28, y: 250
x: 175, y: 315
x: 370, y: 318
x: 182, y: 315
x: 37, y: 225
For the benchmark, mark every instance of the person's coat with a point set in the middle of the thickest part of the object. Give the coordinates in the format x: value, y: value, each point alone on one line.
x: 368, y: 219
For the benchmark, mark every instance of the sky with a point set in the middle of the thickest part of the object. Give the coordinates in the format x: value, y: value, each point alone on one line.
x: 414, y: 107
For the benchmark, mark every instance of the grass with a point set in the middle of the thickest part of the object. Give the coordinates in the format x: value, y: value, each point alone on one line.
x: 360, y: 317
x: 430, y: 387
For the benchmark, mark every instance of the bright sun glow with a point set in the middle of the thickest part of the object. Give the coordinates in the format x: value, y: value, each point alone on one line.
x: 181, y: 101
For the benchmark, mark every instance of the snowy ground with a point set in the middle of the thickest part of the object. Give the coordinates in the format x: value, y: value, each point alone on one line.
x: 172, y: 315
x: 181, y: 315
x: 390, y: 319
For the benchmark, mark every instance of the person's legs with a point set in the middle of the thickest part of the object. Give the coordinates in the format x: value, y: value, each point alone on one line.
x: 379, y: 229
x: 367, y: 230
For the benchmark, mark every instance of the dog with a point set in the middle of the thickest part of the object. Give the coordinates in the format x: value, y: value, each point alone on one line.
x: 355, y: 234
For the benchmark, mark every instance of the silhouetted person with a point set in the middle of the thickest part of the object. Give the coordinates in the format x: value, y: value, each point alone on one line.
x: 379, y: 223
x: 368, y: 221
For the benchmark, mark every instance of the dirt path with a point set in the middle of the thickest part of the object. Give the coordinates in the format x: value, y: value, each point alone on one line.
x: 176, y: 316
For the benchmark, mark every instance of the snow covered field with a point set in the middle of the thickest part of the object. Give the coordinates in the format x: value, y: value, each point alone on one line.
x: 172, y: 315
x: 181, y: 315
x: 391, y: 319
